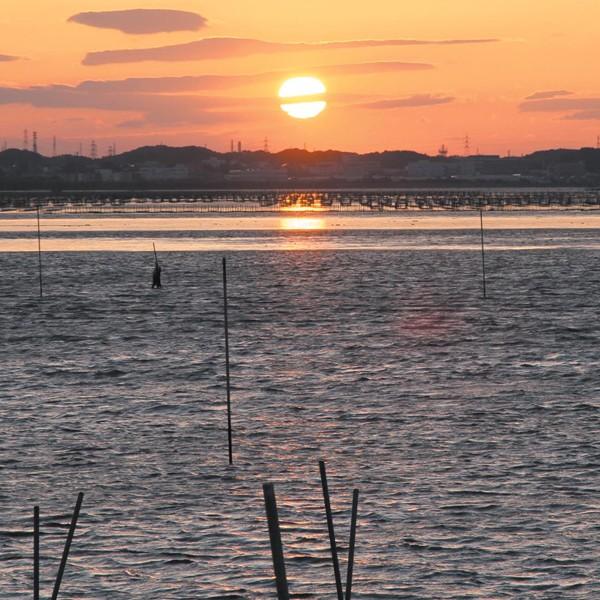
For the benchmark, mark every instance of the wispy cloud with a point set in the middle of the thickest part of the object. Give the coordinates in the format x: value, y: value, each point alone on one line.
x: 8, y: 58
x: 220, y: 48
x: 575, y: 109
x: 549, y: 94
x: 408, y: 102
x: 142, y: 20
x: 191, y: 83
x: 584, y: 115
x: 560, y: 105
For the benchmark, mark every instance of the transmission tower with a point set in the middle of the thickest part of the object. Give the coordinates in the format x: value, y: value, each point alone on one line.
x: 25, y: 140
x: 35, y: 142
x: 266, y: 145
x: 467, y: 145
x: 54, y: 146
x: 94, y: 150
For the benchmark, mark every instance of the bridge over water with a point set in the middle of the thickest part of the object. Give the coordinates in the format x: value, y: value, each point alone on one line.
x: 169, y: 201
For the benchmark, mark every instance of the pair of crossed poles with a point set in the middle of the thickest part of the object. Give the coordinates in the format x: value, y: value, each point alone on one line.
x: 65, y: 555
x: 277, y: 547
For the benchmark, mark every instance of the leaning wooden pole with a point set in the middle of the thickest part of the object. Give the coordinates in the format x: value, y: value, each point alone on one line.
x: 276, y: 545
x: 352, y: 545
x: 227, y: 372
x: 334, y: 554
x: 36, y: 553
x: 65, y: 556
x: 39, y: 231
x: 482, y: 254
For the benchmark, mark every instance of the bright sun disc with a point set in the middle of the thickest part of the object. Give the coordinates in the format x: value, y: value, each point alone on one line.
x: 302, y: 97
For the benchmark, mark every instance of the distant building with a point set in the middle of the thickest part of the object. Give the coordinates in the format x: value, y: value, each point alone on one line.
x: 157, y: 172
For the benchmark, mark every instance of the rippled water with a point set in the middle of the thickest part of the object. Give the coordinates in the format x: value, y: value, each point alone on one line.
x: 470, y: 427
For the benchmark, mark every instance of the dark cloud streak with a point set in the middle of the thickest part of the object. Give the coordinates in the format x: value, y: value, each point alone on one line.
x: 141, y: 21
x: 163, y: 85
x: 548, y: 95
x: 222, y: 48
x: 408, y: 102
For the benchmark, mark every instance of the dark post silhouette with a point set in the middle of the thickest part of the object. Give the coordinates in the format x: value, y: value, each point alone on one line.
x: 156, y: 283
x: 36, y: 553
x: 482, y: 253
x: 276, y: 545
x: 334, y: 554
x: 37, y: 209
x: 352, y: 545
x: 65, y: 556
x: 227, y: 374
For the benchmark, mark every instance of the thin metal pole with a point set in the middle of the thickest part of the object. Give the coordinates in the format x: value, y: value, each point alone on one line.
x: 482, y: 253
x: 352, y: 545
x: 334, y: 554
x: 36, y: 553
x: 276, y: 545
x: 65, y: 556
x: 227, y: 374
x: 37, y: 208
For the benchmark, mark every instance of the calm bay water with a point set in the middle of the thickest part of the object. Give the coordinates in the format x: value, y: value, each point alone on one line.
x: 470, y: 427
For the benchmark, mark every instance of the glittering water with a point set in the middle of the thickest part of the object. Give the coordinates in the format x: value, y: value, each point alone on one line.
x: 470, y: 427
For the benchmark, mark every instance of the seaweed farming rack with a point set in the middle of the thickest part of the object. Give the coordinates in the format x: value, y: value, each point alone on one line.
x: 223, y: 201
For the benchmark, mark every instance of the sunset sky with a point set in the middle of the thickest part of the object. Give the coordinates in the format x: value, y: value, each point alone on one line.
x: 514, y: 75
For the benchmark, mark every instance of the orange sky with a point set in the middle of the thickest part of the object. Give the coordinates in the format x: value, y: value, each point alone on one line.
x: 541, y: 47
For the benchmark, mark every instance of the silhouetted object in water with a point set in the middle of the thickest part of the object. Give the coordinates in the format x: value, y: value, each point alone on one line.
x: 156, y: 277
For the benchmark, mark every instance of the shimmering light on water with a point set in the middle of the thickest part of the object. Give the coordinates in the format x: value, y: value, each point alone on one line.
x: 302, y: 223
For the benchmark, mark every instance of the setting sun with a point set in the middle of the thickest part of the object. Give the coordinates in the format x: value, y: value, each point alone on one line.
x: 302, y: 97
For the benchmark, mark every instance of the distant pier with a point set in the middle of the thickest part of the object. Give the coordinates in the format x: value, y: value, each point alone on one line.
x: 235, y: 201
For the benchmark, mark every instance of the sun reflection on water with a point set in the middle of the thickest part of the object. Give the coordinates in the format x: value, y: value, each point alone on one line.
x: 301, y: 223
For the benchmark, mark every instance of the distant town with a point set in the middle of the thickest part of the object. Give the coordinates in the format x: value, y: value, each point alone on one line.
x: 196, y: 167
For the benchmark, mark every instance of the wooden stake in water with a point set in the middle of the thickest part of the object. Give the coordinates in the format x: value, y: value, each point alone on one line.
x: 352, y: 545
x: 334, y: 554
x: 65, y: 556
x: 37, y: 208
x: 155, y: 255
x: 36, y: 553
x: 276, y: 545
x: 228, y: 383
x: 482, y: 253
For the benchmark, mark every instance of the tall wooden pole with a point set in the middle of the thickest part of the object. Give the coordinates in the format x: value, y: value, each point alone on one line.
x: 65, y: 556
x: 352, y: 545
x: 36, y: 553
x: 227, y: 373
x: 334, y: 554
x: 276, y: 545
x: 37, y: 208
x: 482, y: 254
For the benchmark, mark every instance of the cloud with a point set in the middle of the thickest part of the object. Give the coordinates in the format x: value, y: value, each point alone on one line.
x: 161, y: 109
x: 408, y: 102
x: 142, y: 20
x: 162, y: 85
x: 584, y: 115
x: 578, y: 109
x: 560, y: 105
x: 220, y: 48
x: 548, y: 95
x: 8, y: 58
